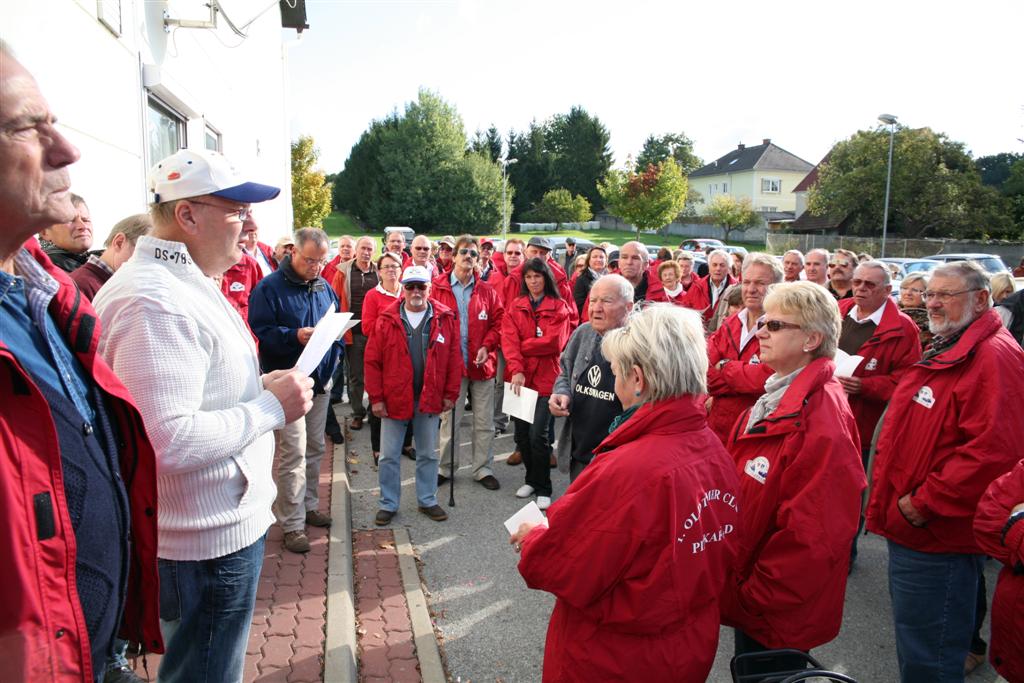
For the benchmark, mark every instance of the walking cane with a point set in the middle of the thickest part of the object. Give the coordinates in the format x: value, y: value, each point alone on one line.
x: 451, y: 464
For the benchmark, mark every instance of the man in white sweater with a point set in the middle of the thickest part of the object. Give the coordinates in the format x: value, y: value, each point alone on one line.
x: 189, y: 360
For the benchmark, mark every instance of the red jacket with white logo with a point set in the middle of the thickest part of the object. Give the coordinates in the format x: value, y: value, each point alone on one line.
x: 637, y: 582
x: 387, y: 368
x: 238, y: 282
x: 740, y: 382
x: 801, y: 480
x: 526, y: 352
x: 513, y: 283
x: 893, y: 348
x: 1007, y: 546
x: 948, y: 433
x: 485, y: 315
x: 698, y: 296
x: 43, y: 635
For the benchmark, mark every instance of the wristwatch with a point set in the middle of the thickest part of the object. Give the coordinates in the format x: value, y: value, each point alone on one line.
x: 1014, y: 518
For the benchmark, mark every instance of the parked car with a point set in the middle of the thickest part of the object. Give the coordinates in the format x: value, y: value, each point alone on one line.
x: 742, y: 251
x: 407, y: 231
x: 990, y: 262
x: 699, y: 245
x: 905, y: 266
x: 558, y: 246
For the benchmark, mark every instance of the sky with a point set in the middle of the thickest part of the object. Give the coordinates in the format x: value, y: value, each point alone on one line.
x: 804, y: 74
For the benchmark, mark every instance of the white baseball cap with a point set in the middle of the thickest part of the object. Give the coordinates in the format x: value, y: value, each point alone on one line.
x: 196, y: 172
x: 416, y: 274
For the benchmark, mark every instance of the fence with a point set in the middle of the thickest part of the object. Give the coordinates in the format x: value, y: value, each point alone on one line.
x: 554, y: 227
x: 778, y: 243
x: 757, y: 234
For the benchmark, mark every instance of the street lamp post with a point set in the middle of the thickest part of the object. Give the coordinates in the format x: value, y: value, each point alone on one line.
x: 890, y: 120
x: 504, y: 205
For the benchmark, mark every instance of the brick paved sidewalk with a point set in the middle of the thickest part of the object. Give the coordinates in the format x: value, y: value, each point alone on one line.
x: 286, y: 641
x: 386, y: 648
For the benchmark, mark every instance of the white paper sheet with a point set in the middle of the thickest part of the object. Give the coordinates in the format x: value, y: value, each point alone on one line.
x: 528, y: 513
x: 326, y: 332
x: 845, y: 363
x: 521, y: 406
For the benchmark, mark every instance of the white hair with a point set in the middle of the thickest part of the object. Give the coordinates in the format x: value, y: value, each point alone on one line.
x: 623, y: 287
x: 878, y: 265
x: 756, y: 258
x: 667, y: 343
x: 720, y: 252
x: 795, y: 252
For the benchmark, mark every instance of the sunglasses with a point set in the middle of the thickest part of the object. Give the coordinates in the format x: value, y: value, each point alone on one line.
x: 472, y: 252
x: 777, y: 325
x: 865, y: 283
x: 421, y: 286
x: 422, y: 248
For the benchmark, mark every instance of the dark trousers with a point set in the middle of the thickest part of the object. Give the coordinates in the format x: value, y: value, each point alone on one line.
x: 744, y: 644
x: 978, y: 644
x: 532, y: 442
x: 355, y: 352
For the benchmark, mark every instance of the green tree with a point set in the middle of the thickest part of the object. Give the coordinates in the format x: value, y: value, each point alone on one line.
x: 671, y: 145
x: 359, y: 185
x: 995, y: 168
x: 531, y: 174
x: 648, y: 200
x: 578, y: 144
x: 311, y: 196
x: 731, y: 213
x: 561, y: 206
x: 936, y: 188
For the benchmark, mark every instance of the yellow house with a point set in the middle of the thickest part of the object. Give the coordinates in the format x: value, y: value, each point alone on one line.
x: 765, y: 174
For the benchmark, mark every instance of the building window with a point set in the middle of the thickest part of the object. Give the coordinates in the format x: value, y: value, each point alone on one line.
x: 213, y: 139
x: 771, y: 185
x: 165, y: 130
x: 725, y: 188
x: 109, y: 14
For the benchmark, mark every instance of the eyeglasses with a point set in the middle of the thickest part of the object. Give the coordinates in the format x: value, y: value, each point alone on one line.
x: 391, y: 267
x: 945, y: 297
x: 243, y: 212
x: 513, y: 253
x: 865, y: 283
x: 472, y: 252
x: 839, y: 264
x: 422, y: 248
x: 777, y: 325
x: 312, y: 262
x: 422, y: 286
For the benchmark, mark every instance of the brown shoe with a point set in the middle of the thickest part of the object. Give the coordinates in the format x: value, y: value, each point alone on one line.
x: 515, y: 459
x: 435, y: 512
x: 296, y: 542
x: 383, y: 517
x: 356, y: 424
x: 317, y: 518
x: 489, y: 483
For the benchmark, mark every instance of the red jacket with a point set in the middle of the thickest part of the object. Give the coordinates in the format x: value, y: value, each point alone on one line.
x: 949, y: 432
x: 525, y: 352
x: 331, y: 269
x: 659, y: 296
x: 268, y: 253
x: 38, y: 591
x: 801, y: 480
x: 373, y: 303
x: 1005, y: 493
x: 740, y: 382
x: 387, y: 369
x: 637, y: 582
x: 238, y: 282
x: 512, y: 289
x: 698, y: 296
x: 485, y: 315
x: 893, y: 348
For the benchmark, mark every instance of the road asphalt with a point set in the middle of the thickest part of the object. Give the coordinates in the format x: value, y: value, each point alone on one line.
x: 491, y: 627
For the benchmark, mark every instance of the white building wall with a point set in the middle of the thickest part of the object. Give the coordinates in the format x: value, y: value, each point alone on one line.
x: 98, y: 85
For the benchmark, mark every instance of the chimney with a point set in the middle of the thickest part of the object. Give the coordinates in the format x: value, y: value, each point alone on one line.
x: 766, y: 141
x: 741, y: 147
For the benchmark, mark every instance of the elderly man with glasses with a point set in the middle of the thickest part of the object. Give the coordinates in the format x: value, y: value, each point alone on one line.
x: 479, y: 313
x: 284, y: 308
x: 353, y: 280
x: 840, y: 274
x: 947, y: 434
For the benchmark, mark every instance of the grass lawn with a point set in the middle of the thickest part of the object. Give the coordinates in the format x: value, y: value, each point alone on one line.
x: 338, y: 224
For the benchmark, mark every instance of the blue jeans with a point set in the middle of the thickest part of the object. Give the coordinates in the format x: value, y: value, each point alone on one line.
x: 424, y: 433
x: 206, y: 607
x: 934, y: 598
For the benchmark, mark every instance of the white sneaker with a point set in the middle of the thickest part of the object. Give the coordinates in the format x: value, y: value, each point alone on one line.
x: 543, y: 502
x: 524, y: 491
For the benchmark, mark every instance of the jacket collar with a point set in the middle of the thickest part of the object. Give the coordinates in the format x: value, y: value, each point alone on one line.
x: 890, y: 321
x: 668, y: 416
x: 986, y: 325
x: 813, y: 377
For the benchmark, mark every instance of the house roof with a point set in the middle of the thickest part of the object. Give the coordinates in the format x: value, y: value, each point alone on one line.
x: 764, y: 157
x: 812, y: 177
x: 807, y: 222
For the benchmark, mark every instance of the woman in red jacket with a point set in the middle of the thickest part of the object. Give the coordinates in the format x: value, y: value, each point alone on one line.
x: 999, y: 530
x: 637, y: 549
x: 385, y: 294
x: 534, y: 332
x: 797, y: 453
x: 672, y: 290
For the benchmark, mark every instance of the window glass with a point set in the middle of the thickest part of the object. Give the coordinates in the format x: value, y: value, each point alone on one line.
x: 165, y: 131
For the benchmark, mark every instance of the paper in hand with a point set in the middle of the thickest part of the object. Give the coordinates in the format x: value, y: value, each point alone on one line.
x: 521, y: 406
x: 326, y: 332
x: 846, y: 364
x: 528, y: 513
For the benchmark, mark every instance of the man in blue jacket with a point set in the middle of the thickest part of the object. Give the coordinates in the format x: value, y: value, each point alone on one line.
x: 283, y: 309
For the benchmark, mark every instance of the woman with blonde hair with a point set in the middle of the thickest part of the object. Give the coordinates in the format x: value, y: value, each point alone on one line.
x: 797, y: 453
x: 1002, y: 287
x: 636, y: 550
x: 911, y: 302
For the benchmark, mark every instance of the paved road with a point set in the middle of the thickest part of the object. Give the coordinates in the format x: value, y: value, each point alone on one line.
x: 492, y: 626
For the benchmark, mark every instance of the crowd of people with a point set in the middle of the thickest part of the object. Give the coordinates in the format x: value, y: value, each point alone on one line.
x: 154, y: 426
